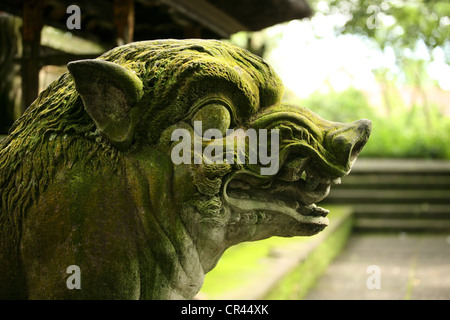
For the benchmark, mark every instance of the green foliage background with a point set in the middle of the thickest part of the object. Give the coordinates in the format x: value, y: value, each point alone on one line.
x: 414, y: 131
x: 420, y: 129
x: 402, y: 134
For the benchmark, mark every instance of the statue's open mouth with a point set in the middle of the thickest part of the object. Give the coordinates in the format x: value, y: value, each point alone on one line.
x: 310, y: 162
x: 293, y: 192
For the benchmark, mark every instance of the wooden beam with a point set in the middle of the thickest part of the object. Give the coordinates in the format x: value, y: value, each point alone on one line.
x: 63, y: 59
x: 208, y: 16
x: 192, y: 32
x: 32, y: 16
x: 124, y: 21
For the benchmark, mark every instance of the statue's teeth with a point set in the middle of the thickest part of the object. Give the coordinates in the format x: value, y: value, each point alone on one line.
x: 237, y: 184
x: 303, y: 176
x: 306, y: 210
x: 318, y: 211
x: 292, y: 170
x: 311, y: 183
x: 292, y: 204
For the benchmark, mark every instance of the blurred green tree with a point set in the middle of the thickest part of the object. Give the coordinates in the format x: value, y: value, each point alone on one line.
x: 412, y: 29
x: 415, y: 33
x: 399, y: 24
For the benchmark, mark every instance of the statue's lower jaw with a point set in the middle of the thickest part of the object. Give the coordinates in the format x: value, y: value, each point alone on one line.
x: 317, y: 216
x: 260, y: 206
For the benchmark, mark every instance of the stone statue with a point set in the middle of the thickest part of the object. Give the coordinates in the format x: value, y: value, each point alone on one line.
x: 138, y: 169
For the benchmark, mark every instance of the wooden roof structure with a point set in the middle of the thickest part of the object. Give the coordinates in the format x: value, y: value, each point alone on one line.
x: 157, y: 19
x: 115, y: 22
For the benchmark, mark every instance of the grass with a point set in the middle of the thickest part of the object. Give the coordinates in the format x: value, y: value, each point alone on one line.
x: 296, y: 284
x: 243, y: 265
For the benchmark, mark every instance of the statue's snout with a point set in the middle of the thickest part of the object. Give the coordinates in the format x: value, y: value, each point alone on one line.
x: 348, y: 139
x: 333, y: 146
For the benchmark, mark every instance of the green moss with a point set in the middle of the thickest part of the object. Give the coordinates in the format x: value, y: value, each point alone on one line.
x: 242, y: 265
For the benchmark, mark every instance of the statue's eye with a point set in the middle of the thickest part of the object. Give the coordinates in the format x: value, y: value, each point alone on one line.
x: 212, y: 116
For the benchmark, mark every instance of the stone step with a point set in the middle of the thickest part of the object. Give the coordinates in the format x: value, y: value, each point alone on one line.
x: 397, y: 195
x: 401, y: 225
x: 402, y: 217
x: 402, y: 211
x: 364, y: 196
x: 396, y: 166
x: 396, y: 181
x: 409, y: 266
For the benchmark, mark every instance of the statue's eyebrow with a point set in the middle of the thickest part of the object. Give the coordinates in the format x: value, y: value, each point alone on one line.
x: 212, y: 99
x: 241, y: 92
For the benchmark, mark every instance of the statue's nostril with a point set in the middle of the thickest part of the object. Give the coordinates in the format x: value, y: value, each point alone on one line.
x: 364, y: 128
x: 348, y: 143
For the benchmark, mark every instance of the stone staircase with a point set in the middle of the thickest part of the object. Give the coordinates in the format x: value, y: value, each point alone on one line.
x: 397, y: 195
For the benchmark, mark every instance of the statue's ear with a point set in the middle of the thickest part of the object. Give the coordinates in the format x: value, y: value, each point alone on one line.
x: 109, y: 93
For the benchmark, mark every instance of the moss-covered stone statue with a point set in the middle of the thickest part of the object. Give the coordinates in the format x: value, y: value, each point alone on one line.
x: 130, y: 171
